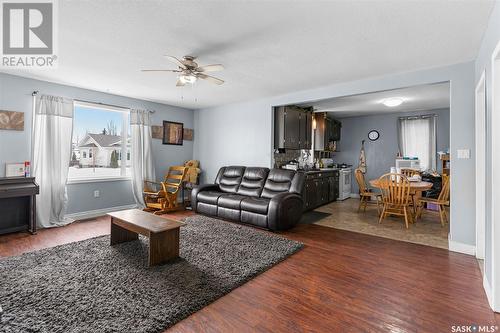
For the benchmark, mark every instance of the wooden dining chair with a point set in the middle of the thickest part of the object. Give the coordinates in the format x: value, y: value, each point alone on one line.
x: 161, y: 198
x: 395, y: 189
x: 442, y: 201
x: 365, y: 194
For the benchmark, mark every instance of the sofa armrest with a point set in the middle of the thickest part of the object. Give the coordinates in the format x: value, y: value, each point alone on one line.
x: 285, y: 210
x: 200, y: 188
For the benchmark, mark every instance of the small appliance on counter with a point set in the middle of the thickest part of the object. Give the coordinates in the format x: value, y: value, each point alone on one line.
x: 291, y: 165
x: 327, y: 162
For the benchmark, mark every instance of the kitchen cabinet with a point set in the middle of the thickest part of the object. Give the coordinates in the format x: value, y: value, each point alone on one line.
x: 320, y: 188
x: 333, y: 183
x: 292, y: 127
x: 305, y: 129
x: 327, y: 131
x: 336, y: 127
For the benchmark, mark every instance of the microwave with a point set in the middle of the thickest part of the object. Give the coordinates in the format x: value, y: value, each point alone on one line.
x: 407, y: 164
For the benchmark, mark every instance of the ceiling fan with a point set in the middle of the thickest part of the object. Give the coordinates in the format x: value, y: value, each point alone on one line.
x: 189, y: 71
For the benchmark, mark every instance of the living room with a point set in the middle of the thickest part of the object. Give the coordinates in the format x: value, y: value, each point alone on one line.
x: 170, y: 107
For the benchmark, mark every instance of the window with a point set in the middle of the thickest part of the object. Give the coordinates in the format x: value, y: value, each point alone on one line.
x: 417, y: 138
x: 100, y: 133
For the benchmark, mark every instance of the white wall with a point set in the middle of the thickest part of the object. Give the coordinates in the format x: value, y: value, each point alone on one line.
x: 15, y: 146
x: 242, y: 133
x: 483, y: 62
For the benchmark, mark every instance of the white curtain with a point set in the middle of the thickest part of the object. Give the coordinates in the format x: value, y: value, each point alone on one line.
x: 53, y: 127
x: 142, y: 155
x: 417, y: 138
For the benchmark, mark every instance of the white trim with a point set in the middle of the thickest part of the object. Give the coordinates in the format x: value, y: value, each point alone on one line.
x: 495, y: 192
x: 90, y: 105
x: 98, y: 212
x: 480, y: 125
x: 487, y: 290
x: 97, y: 180
x: 355, y: 195
x: 461, y: 247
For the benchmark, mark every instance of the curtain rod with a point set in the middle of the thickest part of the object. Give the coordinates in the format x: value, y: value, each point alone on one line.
x: 35, y: 93
x: 420, y: 116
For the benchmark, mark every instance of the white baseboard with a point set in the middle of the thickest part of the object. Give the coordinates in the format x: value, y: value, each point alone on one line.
x: 461, y: 247
x: 489, y: 292
x: 355, y: 195
x: 97, y: 212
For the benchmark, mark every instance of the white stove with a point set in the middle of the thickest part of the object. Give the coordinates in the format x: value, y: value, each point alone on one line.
x: 345, y: 178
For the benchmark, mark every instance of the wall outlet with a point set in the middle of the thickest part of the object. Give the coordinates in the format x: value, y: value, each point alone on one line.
x: 463, y: 153
x: 97, y: 194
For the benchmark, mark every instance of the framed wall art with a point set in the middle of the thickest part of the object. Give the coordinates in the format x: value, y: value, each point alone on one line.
x: 173, y: 133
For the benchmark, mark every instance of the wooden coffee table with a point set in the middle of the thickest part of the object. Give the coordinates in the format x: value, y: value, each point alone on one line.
x: 163, y: 233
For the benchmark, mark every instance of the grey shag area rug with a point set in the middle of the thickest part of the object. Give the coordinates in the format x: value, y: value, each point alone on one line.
x: 90, y: 286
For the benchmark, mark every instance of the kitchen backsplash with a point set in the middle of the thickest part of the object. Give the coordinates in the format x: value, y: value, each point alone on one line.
x: 282, y: 158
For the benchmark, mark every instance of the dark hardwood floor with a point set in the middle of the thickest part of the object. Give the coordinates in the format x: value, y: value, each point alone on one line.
x: 340, y: 282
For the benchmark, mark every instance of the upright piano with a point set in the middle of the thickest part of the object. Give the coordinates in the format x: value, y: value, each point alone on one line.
x: 17, y: 204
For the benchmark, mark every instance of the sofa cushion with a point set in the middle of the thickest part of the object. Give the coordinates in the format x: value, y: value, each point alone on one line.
x: 229, y: 178
x: 254, y: 219
x: 255, y: 205
x: 206, y: 209
x: 253, y: 181
x: 228, y: 213
x: 278, y: 181
x: 209, y: 197
x: 230, y: 201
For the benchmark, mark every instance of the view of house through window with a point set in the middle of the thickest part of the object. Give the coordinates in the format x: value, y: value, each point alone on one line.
x: 100, y: 136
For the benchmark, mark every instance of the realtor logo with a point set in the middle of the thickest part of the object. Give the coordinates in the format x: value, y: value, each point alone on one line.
x: 28, y: 31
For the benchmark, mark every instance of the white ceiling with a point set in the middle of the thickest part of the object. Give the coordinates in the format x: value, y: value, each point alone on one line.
x: 416, y: 98
x: 268, y: 48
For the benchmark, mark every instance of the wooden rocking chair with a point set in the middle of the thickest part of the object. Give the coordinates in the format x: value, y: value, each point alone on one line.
x: 161, y: 198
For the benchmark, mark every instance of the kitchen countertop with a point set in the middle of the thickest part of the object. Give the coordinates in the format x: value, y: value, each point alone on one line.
x: 319, y: 170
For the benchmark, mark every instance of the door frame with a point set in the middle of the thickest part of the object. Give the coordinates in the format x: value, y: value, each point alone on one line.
x: 480, y: 125
x: 494, y: 284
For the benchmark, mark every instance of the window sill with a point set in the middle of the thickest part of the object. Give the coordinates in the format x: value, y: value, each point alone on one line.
x: 97, y: 180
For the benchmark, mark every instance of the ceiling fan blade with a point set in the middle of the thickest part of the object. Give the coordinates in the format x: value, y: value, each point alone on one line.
x: 175, y: 61
x: 210, y: 68
x: 161, y: 70
x: 179, y: 83
x: 210, y: 78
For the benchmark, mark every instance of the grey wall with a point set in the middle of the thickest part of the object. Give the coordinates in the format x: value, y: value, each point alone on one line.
x: 15, y: 95
x: 242, y: 133
x: 380, y: 154
x: 483, y: 62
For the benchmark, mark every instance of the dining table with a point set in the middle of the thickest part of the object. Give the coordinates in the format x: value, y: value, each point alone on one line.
x: 416, y: 189
x: 415, y: 186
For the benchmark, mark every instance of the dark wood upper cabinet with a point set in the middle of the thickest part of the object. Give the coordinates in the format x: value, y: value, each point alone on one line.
x: 292, y: 127
x: 336, y: 128
x: 327, y: 130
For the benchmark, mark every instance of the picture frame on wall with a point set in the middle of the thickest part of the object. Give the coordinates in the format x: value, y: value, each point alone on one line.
x: 173, y: 133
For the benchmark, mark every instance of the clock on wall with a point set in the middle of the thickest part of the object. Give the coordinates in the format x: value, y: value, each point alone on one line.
x: 373, y: 135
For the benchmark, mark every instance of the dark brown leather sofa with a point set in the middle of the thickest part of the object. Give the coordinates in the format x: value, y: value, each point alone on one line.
x: 258, y: 196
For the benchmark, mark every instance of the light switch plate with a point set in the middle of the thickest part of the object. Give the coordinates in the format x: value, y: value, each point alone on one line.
x: 97, y: 194
x: 463, y: 153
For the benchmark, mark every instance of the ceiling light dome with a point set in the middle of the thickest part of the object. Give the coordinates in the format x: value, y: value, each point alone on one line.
x: 392, y: 102
x: 188, y: 78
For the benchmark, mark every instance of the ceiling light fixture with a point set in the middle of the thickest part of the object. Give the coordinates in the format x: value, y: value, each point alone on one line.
x: 188, y: 78
x: 392, y: 102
